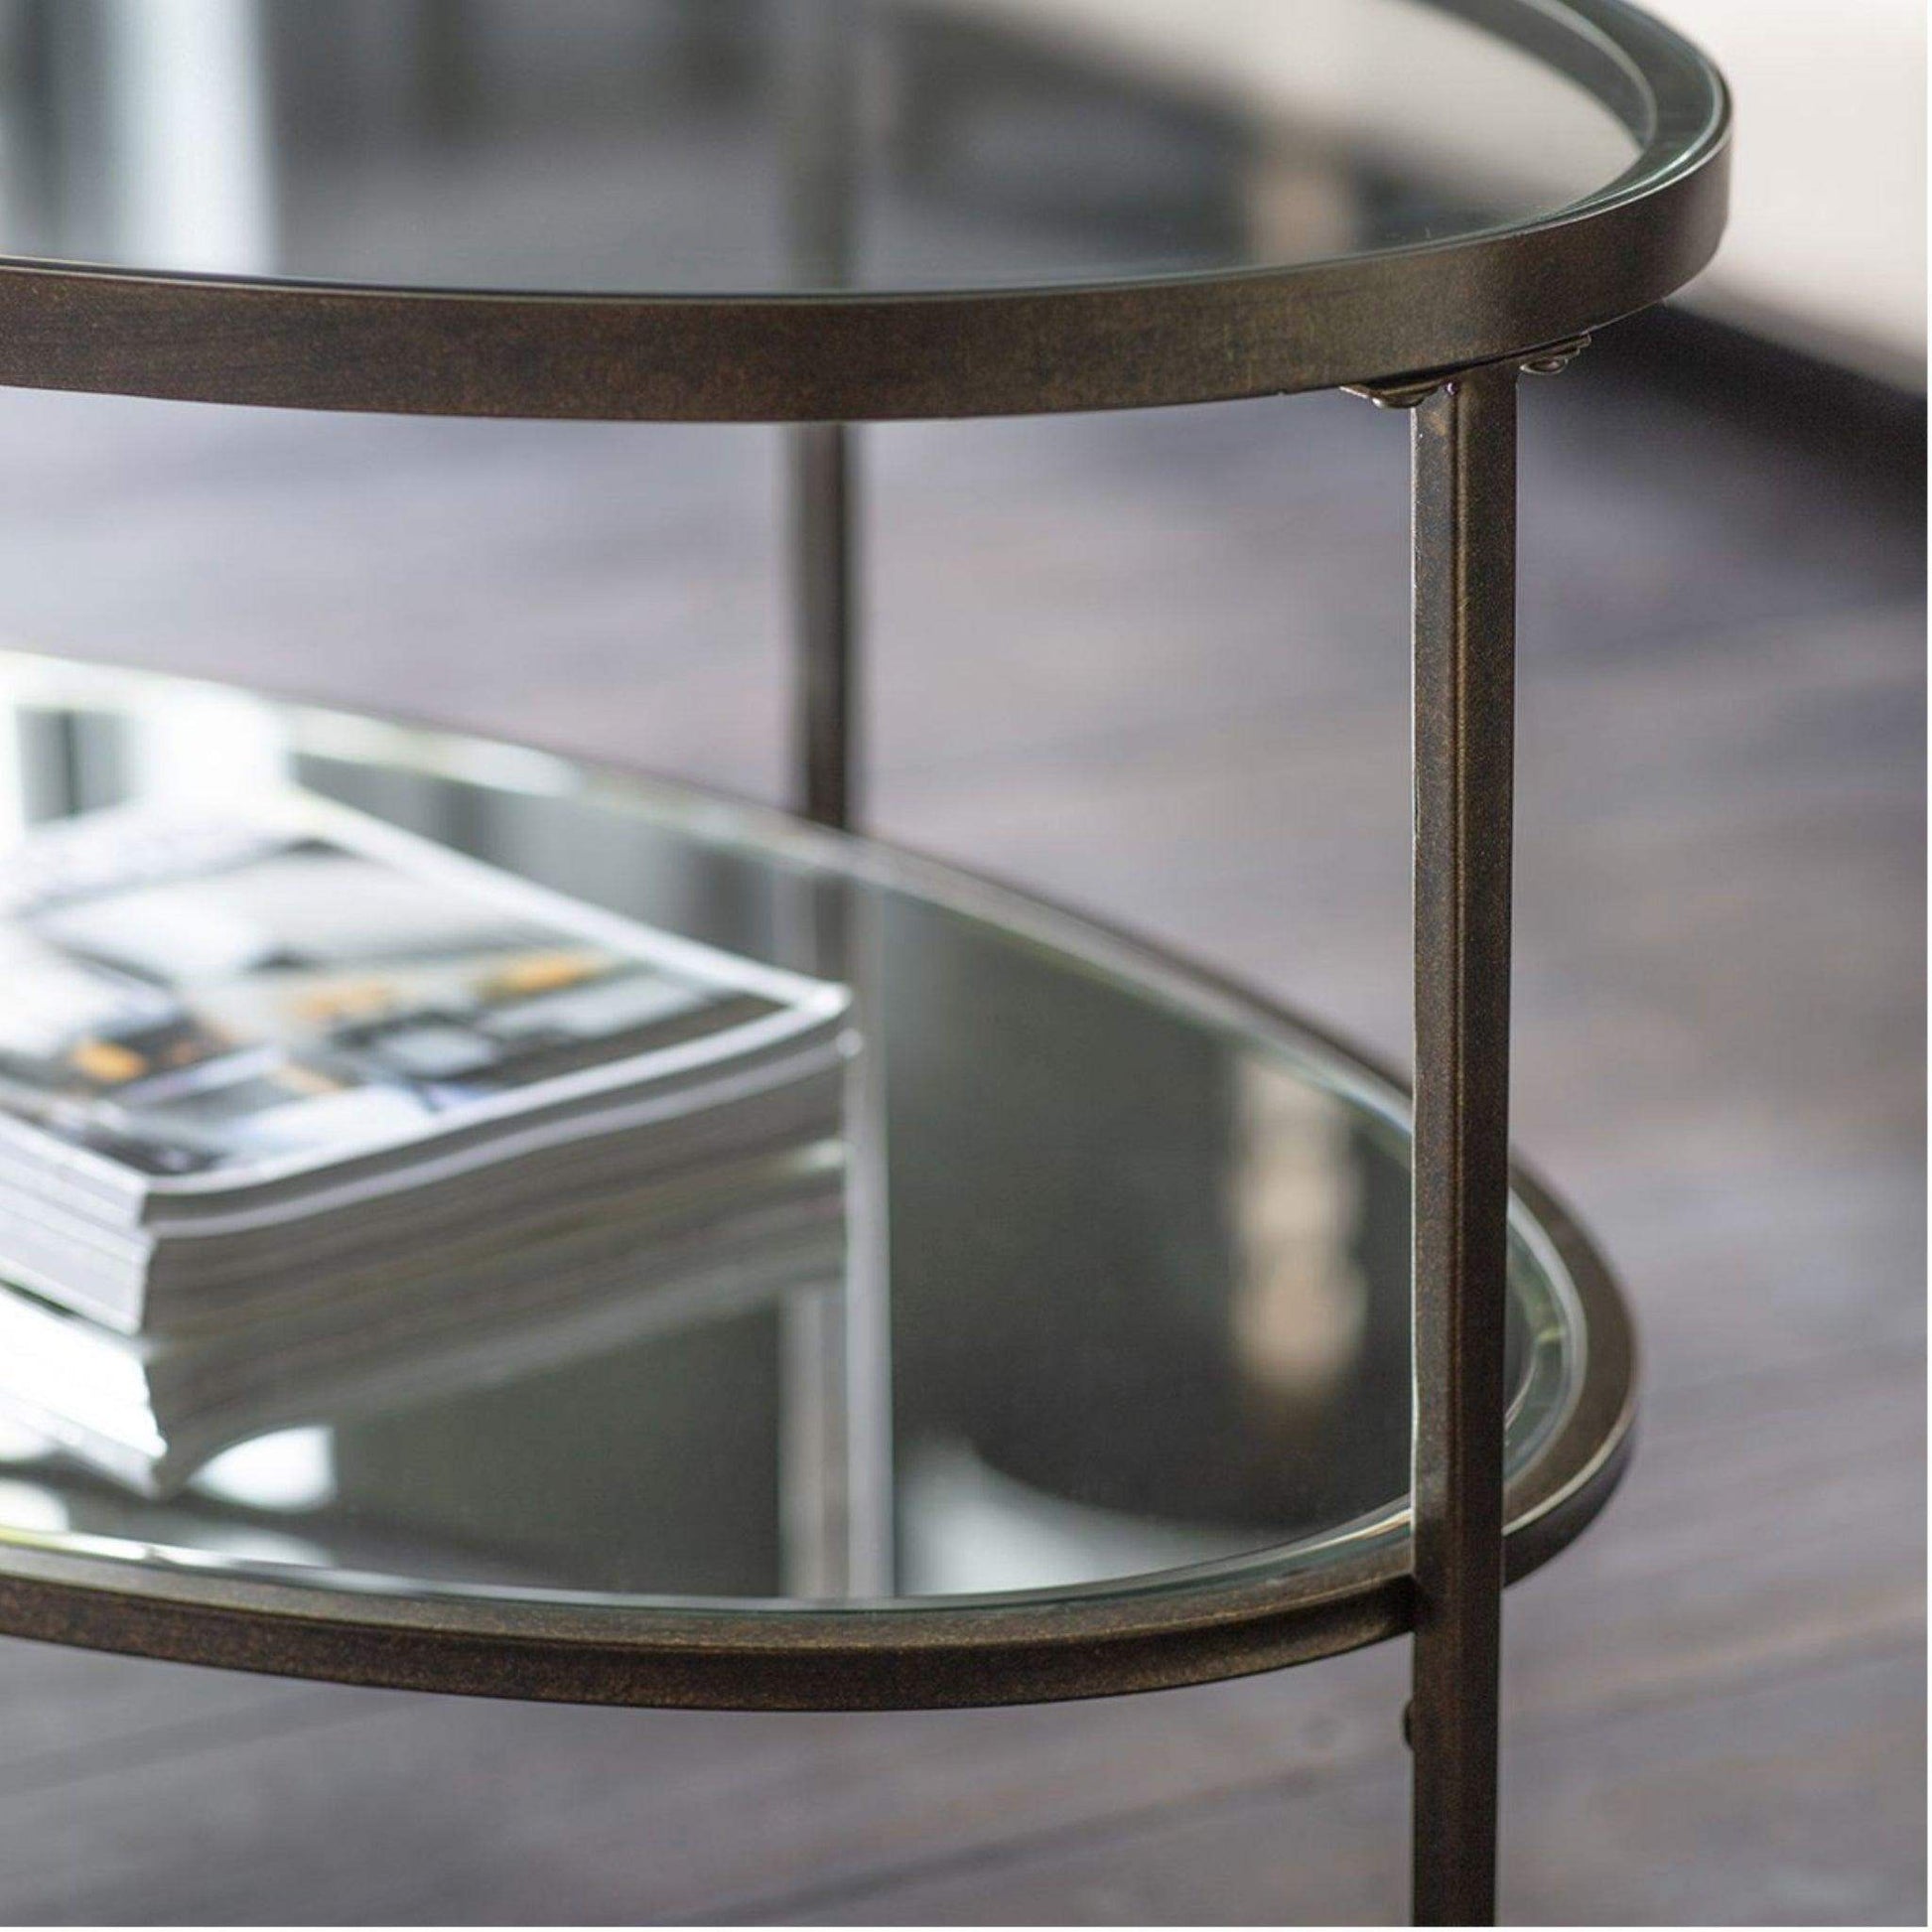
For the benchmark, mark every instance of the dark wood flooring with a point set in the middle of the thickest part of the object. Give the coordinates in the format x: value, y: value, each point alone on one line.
x: 1157, y: 666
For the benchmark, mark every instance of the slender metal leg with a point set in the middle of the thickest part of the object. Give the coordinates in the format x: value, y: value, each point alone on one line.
x: 1464, y: 447
x: 819, y: 70
x: 824, y: 489
x: 845, y: 1337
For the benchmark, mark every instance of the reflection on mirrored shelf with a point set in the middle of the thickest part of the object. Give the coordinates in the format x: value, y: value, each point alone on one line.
x: 729, y: 146
x: 1106, y: 1277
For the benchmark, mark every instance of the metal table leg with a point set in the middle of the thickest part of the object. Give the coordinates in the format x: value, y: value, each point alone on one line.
x: 819, y: 79
x: 1464, y: 454
x: 824, y: 486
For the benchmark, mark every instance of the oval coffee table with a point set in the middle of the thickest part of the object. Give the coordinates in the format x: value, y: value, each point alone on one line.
x: 1105, y: 1384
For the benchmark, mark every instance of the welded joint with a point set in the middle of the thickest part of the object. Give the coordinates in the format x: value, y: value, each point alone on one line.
x: 1408, y: 392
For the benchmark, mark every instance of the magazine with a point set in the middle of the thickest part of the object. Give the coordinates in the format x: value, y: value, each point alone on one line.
x: 148, y: 1410
x: 251, y: 1058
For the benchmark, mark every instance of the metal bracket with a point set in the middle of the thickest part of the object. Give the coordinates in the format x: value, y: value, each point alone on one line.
x: 1397, y: 395
x: 1408, y: 392
x: 1555, y: 359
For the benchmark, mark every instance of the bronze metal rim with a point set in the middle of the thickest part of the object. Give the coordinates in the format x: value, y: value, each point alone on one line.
x: 1364, y: 319
x: 1253, y: 1613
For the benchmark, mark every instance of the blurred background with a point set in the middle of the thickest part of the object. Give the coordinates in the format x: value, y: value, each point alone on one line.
x: 1155, y: 666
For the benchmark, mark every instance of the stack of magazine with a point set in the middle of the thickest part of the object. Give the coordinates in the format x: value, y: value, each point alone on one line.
x: 299, y: 1112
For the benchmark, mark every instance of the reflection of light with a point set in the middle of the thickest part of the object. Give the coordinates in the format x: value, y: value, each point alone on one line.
x: 12, y: 776
x: 202, y: 747
x: 1444, y: 99
x: 27, y: 1506
x: 294, y: 1468
x: 968, y: 1530
x: 1301, y: 1302
x: 191, y: 117
x: 246, y: 1543
x: 21, y: 1444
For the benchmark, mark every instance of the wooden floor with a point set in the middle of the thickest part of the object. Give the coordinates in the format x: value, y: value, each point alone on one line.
x: 1157, y: 666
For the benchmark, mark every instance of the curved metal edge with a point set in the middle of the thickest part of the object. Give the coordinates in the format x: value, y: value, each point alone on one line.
x: 1569, y: 1488
x: 951, y: 1660
x: 831, y: 358
x: 1153, y: 1635
x: 1158, y: 1638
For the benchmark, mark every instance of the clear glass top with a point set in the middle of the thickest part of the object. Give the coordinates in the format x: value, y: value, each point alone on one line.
x: 1105, y: 1274
x: 770, y: 145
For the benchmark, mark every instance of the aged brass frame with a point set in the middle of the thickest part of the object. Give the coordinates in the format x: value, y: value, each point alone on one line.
x: 841, y: 356
x: 1442, y: 328
x: 1464, y: 705
x: 1239, y: 1617
x: 1231, y: 1619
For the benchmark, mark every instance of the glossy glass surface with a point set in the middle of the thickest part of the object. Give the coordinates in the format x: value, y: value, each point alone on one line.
x: 1119, y: 1284
x: 770, y: 145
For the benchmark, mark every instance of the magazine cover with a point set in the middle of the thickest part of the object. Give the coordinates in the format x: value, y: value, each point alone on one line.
x: 197, y: 1007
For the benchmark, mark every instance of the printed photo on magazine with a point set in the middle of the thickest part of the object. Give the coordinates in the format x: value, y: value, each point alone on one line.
x: 216, y: 1003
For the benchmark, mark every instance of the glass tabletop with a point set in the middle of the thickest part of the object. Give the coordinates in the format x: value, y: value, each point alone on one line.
x: 724, y: 147
x: 1107, y: 1273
